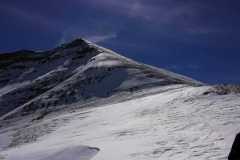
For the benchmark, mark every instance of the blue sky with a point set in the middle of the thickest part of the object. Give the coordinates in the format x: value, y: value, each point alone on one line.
x: 197, y: 38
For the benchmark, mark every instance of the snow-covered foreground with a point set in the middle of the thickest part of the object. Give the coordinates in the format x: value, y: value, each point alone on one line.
x: 180, y: 124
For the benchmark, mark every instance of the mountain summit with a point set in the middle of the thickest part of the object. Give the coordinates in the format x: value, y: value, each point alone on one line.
x: 78, y: 71
x: 81, y: 101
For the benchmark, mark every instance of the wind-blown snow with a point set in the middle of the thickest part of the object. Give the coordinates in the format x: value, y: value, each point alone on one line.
x: 57, y: 152
x: 177, y: 124
x: 81, y: 101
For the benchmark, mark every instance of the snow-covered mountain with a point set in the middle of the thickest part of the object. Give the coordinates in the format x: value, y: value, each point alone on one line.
x: 81, y: 101
x: 76, y: 72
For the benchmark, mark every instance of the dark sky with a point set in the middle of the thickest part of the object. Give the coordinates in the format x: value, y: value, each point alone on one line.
x: 197, y: 38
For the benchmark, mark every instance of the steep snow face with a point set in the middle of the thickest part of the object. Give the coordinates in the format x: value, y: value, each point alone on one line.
x: 78, y: 72
x: 181, y: 123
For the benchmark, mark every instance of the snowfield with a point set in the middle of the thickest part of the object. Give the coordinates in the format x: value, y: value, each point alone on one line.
x: 81, y: 101
x: 177, y: 124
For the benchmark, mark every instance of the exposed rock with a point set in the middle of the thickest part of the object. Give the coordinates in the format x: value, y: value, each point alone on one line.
x: 224, y: 89
x: 235, y: 151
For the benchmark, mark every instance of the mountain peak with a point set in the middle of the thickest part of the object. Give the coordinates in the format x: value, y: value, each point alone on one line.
x: 79, y: 42
x: 48, y: 108
x: 76, y: 72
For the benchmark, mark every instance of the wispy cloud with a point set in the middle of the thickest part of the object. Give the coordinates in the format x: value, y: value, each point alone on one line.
x: 187, y: 17
x: 101, y: 38
x: 91, y: 35
x: 108, y: 17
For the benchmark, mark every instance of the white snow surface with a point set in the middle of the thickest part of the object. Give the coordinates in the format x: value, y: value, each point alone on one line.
x: 82, y: 101
x: 180, y: 124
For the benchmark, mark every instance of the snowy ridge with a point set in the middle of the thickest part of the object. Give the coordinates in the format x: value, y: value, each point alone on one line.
x: 76, y: 72
x: 179, y: 77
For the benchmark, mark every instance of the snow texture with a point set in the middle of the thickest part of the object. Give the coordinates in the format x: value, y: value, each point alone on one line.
x: 177, y: 124
x: 81, y: 101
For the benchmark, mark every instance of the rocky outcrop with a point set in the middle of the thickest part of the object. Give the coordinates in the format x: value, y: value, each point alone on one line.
x: 235, y: 151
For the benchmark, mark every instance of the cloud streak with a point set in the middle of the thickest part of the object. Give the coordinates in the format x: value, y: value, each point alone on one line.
x: 101, y: 38
x: 188, y: 16
x: 87, y: 33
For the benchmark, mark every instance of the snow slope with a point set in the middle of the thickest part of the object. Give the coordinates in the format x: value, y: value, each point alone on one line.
x: 81, y: 101
x: 181, y: 124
